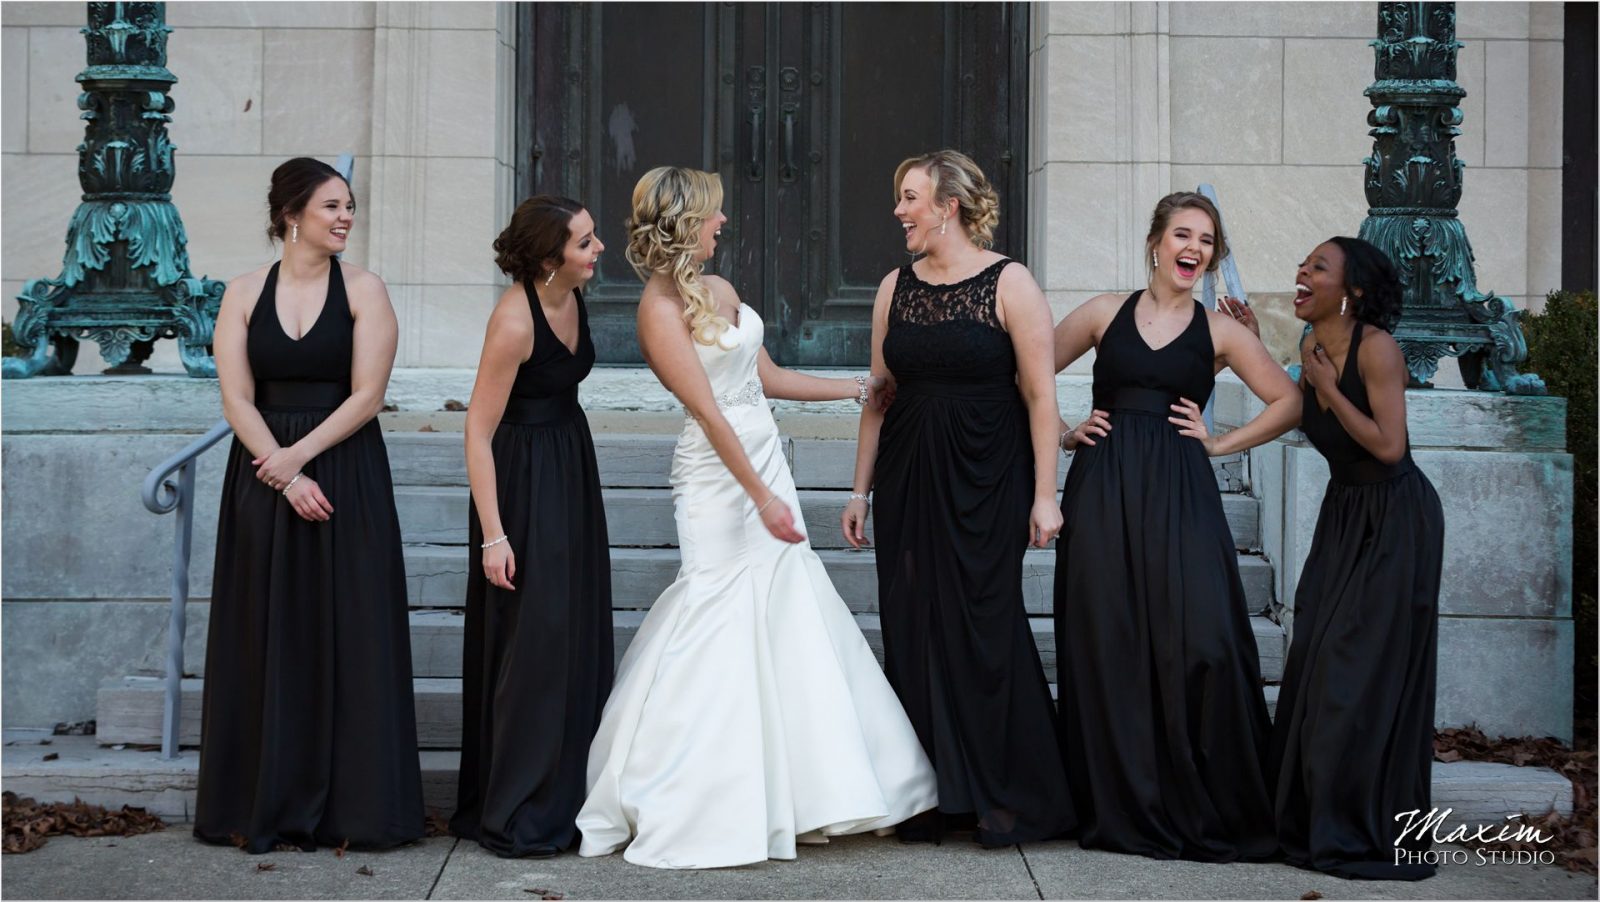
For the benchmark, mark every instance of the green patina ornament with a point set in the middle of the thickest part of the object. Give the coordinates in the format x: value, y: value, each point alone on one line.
x: 125, y: 278
x: 1413, y: 183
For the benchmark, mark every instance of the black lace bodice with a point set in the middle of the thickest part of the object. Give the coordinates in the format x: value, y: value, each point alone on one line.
x: 948, y: 334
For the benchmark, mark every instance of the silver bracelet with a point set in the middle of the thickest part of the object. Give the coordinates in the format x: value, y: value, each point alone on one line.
x: 857, y: 496
x: 291, y: 484
x: 486, y: 545
x: 861, y: 386
x: 765, y: 504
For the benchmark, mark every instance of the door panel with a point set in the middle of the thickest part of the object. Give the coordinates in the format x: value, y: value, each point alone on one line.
x: 804, y: 109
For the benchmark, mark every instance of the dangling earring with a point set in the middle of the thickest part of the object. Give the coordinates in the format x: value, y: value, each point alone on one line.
x: 1344, y: 302
x: 294, y: 234
x: 1154, y: 263
x: 548, y: 279
x: 942, y: 223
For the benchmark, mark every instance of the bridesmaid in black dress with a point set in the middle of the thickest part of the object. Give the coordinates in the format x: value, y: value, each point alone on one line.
x: 1353, y: 743
x: 538, y: 658
x: 964, y: 465
x: 309, y: 735
x: 1162, y: 717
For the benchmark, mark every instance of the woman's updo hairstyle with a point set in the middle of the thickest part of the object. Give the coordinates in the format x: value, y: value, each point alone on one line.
x: 293, y: 184
x: 1168, y: 207
x: 954, y: 175
x: 670, y: 205
x: 534, y: 242
x: 1369, y: 271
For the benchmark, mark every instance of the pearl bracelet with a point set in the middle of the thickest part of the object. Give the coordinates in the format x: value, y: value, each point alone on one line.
x: 487, y: 545
x: 861, y: 386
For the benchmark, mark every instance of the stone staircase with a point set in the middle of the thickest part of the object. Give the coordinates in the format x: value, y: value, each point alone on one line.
x: 117, y: 767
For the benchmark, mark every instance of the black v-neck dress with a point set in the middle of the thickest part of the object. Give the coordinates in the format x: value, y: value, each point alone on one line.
x: 1353, y: 743
x: 309, y: 733
x: 1162, y: 718
x: 537, y: 665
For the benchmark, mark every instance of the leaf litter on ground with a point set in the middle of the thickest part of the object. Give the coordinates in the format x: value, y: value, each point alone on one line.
x: 1573, y: 837
x: 29, y: 824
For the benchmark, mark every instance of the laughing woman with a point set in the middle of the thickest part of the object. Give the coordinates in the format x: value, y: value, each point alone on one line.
x: 1353, y: 742
x: 1162, y: 718
x: 537, y: 659
x: 308, y: 735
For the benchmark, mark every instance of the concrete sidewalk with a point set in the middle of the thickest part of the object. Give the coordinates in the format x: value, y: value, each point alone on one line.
x: 171, y: 864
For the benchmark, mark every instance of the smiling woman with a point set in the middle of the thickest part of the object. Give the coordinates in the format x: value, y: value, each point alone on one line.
x: 308, y: 734
x: 1162, y: 717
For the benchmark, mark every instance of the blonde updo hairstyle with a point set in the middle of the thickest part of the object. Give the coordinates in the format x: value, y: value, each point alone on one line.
x: 1168, y: 206
x: 954, y: 175
x: 670, y: 205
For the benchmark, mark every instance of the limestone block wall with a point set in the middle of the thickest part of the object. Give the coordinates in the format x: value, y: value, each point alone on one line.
x: 1264, y: 101
x: 419, y: 92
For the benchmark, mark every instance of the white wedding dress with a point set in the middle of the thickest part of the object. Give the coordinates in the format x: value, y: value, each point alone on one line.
x: 749, y: 710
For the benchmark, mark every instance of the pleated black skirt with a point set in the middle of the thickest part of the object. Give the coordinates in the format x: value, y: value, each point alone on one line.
x: 952, y: 493
x: 1163, y: 723
x: 1353, y: 743
x: 538, y: 662
x: 309, y: 732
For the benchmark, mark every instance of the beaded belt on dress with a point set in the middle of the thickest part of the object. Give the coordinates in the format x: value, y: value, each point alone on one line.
x: 745, y: 395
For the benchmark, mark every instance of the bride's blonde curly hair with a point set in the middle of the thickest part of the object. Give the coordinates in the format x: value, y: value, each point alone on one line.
x: 670, y: 204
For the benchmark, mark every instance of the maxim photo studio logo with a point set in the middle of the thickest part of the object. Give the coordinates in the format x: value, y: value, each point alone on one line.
x: 1421, y: 828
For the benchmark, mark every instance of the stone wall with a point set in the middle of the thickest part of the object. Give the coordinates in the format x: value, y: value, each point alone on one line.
x: 421, y: 93
x: 1264, y: 101
x: 1130, y: 100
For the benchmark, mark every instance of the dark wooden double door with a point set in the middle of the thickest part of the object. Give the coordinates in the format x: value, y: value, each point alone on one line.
x: 804, y: 109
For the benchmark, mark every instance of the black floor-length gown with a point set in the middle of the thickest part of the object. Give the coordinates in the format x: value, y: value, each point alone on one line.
x: 953, y: 493
x: 1162, y: 718
x: 1353, y: 743
x: 309, y: 733
x: 537, y: 665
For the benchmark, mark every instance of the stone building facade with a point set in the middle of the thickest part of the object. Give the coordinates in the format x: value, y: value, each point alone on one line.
x: 1126, y: 101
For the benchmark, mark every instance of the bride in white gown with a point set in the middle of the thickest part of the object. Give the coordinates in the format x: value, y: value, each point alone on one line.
x: 749, y: 712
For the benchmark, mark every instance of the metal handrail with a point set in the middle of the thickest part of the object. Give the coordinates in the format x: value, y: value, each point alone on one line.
x: 170, y: 487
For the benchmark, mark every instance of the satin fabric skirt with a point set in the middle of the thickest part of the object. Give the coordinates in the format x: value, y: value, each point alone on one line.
x: 1353, y: 743
x: 537, y: 661
x: 1162, y: 717
x: 749, y: 709
x: 952, y: 496
x: 309, y: 732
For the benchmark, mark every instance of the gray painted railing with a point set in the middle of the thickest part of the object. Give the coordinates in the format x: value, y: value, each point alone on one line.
x: 168, y: 488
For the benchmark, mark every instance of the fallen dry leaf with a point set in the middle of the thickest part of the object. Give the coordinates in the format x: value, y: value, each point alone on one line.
x: 1572, y: 837
x: 426, y: 428
x: 29, y: 824
x: 266, y: 866
x: 339, y: 852
x: 50, y: 757
x: 453, y: 404
x: 364, y: 871
x: 1312, y: 894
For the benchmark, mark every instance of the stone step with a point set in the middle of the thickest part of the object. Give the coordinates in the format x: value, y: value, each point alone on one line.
x: 436, y: 641
x: 436, y: 577
x: 644, y: 460
x: 1478, y: 792
x: 129, y: 709
x: 643, y: 518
